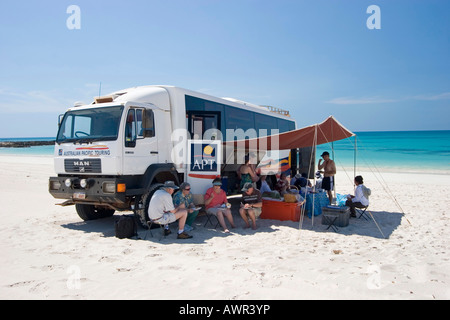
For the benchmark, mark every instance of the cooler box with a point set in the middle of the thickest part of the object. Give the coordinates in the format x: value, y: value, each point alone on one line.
x: 331, y: 212
x: 279, y: 210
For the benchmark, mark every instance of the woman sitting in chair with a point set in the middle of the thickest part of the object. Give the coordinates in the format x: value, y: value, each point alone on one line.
x: 358, y: 200
x: 216, y: 203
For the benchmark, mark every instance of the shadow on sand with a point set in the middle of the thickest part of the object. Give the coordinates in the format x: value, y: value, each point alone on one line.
x: 378, y: 224
x: 106, y: 228
x: 386, y: 224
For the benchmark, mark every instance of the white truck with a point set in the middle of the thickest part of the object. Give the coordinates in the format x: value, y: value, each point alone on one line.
x: 114, y: 153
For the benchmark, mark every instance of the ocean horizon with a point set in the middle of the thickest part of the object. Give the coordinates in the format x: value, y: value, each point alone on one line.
x: 407, y: 151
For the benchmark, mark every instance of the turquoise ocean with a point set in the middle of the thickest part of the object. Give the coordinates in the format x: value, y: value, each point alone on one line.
x: 411, y: 151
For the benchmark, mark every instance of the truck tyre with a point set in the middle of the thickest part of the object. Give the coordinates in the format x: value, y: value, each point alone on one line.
x: 143, y: 213
x: 91, y: 212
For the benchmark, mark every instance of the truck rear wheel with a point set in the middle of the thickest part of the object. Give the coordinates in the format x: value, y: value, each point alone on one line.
x: 143, y: 213
x: 91, y: 212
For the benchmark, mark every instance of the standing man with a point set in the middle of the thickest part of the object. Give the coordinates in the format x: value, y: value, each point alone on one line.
x: 162, y: 211
x: 328, y: 168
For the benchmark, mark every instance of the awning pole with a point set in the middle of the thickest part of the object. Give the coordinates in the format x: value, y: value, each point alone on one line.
x: 354, y: 164
x: 314, y: 194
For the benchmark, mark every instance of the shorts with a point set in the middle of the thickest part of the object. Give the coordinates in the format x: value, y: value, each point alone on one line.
x: 214, y: 211
x: 328, y: 183
x: 166, y: 218
x: 257, y: 211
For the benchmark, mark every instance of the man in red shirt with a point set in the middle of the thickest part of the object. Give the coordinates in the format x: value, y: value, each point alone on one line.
x: 216, y: 203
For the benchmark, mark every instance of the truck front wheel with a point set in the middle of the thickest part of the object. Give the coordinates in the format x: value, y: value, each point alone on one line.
x: 143, y: 213
x: 91, y: 212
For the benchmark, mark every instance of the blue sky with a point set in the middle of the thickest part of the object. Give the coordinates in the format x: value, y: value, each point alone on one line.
x: 314, y: 58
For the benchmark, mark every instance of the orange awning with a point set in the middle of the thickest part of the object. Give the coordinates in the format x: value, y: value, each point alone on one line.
x: 328, y: 131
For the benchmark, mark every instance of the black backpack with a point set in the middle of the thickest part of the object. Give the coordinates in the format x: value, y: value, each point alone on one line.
x: 126, y: 227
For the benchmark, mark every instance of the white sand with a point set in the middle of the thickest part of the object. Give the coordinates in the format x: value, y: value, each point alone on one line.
x: 48, y: 252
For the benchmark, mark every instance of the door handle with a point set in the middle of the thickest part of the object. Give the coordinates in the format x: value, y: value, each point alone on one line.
x: 153, y: 152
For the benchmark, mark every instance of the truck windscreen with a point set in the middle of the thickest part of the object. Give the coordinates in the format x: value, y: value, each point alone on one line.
x: 96, y: 124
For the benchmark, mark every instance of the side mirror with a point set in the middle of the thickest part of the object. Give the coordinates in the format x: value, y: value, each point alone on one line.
x: 60, y: 119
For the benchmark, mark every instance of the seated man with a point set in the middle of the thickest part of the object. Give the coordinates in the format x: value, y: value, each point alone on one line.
x: 184, y: 199
x: 251, y: 204
x: 162, y: 211
x: 359, y: 200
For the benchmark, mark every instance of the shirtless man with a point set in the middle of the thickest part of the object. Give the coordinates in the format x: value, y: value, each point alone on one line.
x: 328, y: 168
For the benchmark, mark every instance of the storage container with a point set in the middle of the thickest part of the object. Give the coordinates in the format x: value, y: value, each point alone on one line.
x: 280, y: 210
x: 331, y: 212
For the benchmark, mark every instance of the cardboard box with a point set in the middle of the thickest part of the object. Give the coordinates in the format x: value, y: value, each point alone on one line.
x: 280, y: 210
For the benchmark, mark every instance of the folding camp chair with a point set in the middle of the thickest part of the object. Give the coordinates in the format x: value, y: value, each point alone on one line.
x: 150, y: 224
x: 330, y: 220
x: 362, y: 212
x: 208, y: 217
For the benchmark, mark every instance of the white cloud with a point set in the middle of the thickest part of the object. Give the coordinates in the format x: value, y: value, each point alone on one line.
x: 39, y: 101
x: 31, y: 101
x: 379, y: 100
x: 441, y: 96
x: 349, y: 100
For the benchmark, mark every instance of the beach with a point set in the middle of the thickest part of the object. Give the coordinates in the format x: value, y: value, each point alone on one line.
x: 48, y: 252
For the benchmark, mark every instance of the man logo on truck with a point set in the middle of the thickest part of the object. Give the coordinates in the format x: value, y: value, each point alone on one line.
x: 82, y: 163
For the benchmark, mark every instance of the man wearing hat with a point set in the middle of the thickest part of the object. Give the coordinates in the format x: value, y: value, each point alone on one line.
x: 251, y: 204
x: 162, y: 211
x: 328, y: 167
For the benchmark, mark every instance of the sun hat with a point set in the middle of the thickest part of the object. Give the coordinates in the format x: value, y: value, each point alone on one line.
x: 170, y: 184
x: 247, y: 186
x: 217, y: 182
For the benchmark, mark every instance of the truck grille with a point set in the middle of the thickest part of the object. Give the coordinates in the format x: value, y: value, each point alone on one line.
x: 83, y: 166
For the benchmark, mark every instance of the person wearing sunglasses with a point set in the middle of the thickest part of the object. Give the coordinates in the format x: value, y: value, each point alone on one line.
x: 216, y: 203
x: 184, y: 199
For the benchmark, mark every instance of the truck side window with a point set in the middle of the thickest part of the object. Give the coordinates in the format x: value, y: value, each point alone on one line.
x: 139, y: 128
x: 148, y: 123
x: 130, y: 129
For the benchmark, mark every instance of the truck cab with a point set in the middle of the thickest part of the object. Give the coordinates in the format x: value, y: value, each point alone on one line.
x: 109, y: 152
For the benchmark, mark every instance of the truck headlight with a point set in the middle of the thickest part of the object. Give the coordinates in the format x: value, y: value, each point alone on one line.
x: 68, y: 182
x: 83, y: 183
